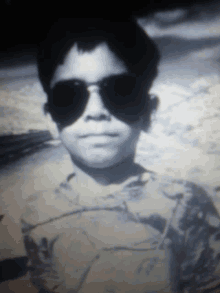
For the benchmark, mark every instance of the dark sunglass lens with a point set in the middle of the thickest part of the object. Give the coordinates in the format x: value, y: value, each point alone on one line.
x: 66, y: 95
x: 124, y: 87
x: 67, y: 102
x: 122, y: 91
x: 124, y: 97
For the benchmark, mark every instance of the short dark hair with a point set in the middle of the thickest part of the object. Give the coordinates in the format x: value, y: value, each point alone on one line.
x: 125, y: 38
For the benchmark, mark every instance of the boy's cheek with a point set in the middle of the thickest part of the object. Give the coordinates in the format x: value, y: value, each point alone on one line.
x: 68, y: 138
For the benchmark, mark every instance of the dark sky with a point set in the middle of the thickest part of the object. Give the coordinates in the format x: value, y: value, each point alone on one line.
x: 25, y: 22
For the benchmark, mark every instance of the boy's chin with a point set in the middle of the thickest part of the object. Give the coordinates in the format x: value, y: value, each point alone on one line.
x: 96, y: 163
x: 102, y: 164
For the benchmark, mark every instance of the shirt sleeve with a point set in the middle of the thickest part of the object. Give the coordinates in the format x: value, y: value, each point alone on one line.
x: 13, y: 259
x: 11, y: 242
x: 199, y: 255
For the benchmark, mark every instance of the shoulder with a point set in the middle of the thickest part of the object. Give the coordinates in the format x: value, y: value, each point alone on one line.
x: 46, y: 204
x: 157, y: 186
x: 195, y: 204
x: 174, y: 188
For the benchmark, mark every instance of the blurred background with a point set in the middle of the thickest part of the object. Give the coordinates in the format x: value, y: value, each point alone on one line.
x: 184, y: 140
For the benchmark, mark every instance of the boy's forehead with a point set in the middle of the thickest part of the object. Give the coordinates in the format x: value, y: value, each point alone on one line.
x: 89, y: 66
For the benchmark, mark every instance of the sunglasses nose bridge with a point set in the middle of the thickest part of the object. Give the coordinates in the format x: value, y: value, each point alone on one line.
x: 95, y: 105
x: 93, y: 88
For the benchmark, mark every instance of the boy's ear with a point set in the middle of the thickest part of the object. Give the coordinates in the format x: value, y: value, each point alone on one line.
x: 149, y: 116
x: 51, y: 125
x: 154, y: 103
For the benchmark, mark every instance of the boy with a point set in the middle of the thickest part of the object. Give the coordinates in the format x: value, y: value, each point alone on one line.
x: 112, y: 226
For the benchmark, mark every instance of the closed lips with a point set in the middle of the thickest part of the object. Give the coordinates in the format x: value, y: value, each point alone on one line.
x: 99, y: 134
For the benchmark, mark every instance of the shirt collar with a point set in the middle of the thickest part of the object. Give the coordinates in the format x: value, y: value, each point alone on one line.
x: 94, y: 189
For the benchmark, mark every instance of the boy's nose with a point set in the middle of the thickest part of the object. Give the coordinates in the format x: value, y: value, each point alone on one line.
x: 95, y: 108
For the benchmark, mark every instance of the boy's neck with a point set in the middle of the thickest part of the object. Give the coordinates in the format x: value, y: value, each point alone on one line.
x: 113, y: 175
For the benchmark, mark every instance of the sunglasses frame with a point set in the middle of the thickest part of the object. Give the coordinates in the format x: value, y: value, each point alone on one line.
x: 106, y: 99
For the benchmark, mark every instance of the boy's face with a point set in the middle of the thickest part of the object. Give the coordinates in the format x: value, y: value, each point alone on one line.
x: 97, y: 139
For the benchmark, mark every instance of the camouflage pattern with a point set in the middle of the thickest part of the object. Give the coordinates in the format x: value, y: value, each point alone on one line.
x: 150, y: 234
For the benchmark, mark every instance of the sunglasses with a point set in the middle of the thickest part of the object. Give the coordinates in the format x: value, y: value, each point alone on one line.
x: 122, y: 95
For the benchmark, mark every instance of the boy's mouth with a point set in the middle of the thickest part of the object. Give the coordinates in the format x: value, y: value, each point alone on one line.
x: 104, y: 134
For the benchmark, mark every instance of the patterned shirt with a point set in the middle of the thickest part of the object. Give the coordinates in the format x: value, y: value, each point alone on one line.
x: 150, y: 234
